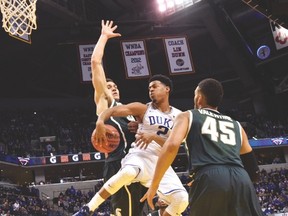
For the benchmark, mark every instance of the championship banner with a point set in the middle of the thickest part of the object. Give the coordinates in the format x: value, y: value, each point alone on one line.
x: 280, y: 35
x: 178, y: 55
x: 136, y: 63
x: 85, y: 53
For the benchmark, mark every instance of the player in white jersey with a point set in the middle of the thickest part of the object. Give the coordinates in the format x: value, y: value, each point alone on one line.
x: 156, y: 120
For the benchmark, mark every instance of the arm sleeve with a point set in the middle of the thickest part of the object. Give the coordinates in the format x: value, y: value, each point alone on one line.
x: 250, y: 165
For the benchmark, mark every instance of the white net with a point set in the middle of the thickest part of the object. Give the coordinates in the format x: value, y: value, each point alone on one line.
x: 18, y: 16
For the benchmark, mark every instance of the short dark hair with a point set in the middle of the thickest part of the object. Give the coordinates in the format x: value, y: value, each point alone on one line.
x: 109, y: 80
x: 163, y: 79
x: 212, y: 90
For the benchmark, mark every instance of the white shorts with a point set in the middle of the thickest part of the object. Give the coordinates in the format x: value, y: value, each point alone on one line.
x: 146, y: 162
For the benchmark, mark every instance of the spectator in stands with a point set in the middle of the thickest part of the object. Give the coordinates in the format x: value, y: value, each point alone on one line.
x: 20, y: 201
x: 277, y: 160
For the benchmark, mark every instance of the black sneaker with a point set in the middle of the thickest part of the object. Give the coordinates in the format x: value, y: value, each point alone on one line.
x: 84, y: 211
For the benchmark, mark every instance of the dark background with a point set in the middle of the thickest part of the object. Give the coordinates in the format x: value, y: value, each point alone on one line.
x: 223, y: 36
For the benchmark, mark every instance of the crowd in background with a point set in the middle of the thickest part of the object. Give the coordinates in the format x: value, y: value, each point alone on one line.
x: 72, y: 199
x: 23, y: 201
x: 260, y: 126
x: 20, y: 133
x: 21, y: 130
x: 272, y: 190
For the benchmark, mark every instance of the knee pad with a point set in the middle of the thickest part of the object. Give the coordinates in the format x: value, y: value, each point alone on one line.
x: 178, y: 203
x: 123, y: 177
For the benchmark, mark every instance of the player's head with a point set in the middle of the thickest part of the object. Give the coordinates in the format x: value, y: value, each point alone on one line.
x: 209, y: 93
x: 160, y: 87
x: 159, y: 203
x: 112, y: 87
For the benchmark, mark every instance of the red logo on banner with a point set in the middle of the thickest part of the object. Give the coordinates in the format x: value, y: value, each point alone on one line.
x: 64, y: 159
x: 281, y: 38
x: 86, y: 157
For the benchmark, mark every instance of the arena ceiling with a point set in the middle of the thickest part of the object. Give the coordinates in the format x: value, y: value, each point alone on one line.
x: 224, y: 36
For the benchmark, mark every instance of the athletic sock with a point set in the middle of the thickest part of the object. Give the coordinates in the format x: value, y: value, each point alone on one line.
x: 95, y: 202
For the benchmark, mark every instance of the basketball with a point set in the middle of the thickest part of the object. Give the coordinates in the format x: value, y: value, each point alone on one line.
x: 113, y: 140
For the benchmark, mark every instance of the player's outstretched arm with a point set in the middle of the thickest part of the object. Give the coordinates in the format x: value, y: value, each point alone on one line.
x: 102, y: 96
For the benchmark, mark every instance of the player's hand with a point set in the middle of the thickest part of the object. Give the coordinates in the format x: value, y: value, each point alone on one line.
x: 99, y: 134
x: 149, y: 195
x: 108, y: 30
x: 143, y: 139
x: 189, y: 184
x: 133, y: 126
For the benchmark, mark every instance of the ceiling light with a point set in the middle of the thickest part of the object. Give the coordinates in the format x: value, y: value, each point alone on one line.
x: 162, y: 7
x: 169, y: 7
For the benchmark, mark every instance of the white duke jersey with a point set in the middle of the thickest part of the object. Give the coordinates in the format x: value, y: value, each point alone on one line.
x: 155, y: 121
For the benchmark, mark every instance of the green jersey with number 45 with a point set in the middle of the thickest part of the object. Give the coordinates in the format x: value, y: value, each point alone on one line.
x: 214, y: 138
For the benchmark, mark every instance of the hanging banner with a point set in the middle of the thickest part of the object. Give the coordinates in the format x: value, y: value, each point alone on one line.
x: 136, y: 63
x: 85, y: 53
x: 280, y: 35
x: 178, y: 55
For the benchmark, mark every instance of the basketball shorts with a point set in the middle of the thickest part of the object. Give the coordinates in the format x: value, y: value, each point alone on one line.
x: 224, y: 190
x: 146, y: 163
x: 124, y: 202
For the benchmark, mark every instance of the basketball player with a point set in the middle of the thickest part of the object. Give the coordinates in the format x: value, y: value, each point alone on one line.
x: 155, y: 121
x: 217, y: 145
x: 161, y: 206
x: 107, y: 95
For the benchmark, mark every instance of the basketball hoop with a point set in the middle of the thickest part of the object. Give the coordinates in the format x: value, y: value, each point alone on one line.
x: 18, y: 16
